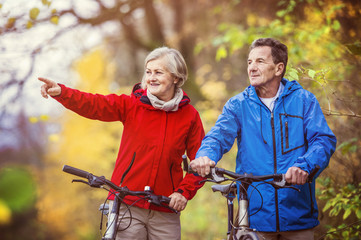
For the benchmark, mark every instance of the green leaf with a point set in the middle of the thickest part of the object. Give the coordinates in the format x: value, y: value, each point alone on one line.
x: 198, y: 48
x: 17, y: 188
x: 358, y: 213
x: 327, y: 206
x: 311, y: 73
x: 355, y: 48
x: 336, y: 25
x: 34, y: 12
x: 347, y: 213
x: 294, y: 75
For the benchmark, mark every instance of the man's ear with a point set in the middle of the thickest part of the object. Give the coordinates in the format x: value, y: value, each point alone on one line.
x: 279, y: 68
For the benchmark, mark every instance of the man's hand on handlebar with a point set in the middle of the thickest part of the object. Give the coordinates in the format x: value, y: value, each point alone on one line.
x: 202, y: 165
x: 296, y: 176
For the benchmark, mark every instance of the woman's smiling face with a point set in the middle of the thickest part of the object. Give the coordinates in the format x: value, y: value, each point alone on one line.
x: 159, y: 81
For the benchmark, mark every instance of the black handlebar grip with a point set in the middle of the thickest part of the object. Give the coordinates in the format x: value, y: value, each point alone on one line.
x: 165, y: 199
x: 185, y: 162
x: 313, y: 173
x: 75, y: 171
x: 190, y: 170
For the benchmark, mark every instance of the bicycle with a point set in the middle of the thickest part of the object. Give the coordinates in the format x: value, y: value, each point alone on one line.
x: 119, y: 193
x: 241, y: 230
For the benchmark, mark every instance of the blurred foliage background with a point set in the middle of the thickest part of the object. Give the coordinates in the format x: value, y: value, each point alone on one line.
x: 99, y: 46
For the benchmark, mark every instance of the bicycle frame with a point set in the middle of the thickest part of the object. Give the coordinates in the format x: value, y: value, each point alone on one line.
x: 241, y: 227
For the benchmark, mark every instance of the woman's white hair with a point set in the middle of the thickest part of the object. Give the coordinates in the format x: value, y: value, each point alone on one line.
x: 175, y: 64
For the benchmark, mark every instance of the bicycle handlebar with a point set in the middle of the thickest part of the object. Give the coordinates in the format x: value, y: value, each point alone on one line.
x: 279, y: 180
x: 98, y: 181
x: 75, y: 171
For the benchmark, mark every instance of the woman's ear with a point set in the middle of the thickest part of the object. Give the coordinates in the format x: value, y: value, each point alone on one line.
x: 175, y: 80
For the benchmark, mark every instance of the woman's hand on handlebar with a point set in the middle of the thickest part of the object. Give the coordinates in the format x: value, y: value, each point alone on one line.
x: 296, y: 176
x: 178, y: 201
x: 202, y: 165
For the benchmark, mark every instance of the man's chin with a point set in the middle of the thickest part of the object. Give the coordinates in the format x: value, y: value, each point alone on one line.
x: 254, y: 83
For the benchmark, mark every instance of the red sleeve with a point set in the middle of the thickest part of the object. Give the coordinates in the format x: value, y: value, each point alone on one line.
x: 108, y: 108
x: 190, y: 183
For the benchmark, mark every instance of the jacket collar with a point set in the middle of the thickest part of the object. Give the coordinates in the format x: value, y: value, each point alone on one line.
x: 141, y: 94
x: 290, y: 86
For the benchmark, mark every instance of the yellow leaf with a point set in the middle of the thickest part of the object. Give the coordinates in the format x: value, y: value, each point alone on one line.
x: 11, y: 22
x: 54, y: 138
x: 29, y: 24
x: 46, y: 2
x: 33, y: 119
x: 221, y: 53
x: 5, y: 213
x: 44, y: 118
x: 54, y: 20
x: 34, y: 12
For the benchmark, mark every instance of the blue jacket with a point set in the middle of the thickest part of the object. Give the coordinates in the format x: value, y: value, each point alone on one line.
x: 294, y: 134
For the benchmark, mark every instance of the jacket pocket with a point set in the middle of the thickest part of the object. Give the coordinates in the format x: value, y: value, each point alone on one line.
x: 292, y: 134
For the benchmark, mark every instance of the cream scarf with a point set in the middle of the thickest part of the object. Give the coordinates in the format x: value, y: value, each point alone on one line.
x: 171, y: 105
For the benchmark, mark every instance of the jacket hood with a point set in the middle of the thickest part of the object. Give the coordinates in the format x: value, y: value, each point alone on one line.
x: 141, y: 94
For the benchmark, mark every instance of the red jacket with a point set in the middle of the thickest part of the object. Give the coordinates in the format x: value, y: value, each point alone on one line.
x: 158, y: 138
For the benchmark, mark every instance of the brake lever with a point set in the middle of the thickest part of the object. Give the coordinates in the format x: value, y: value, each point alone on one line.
x: 156, y: 200
x: 211, y: 177
x: 215, y: 177
x: 283, y: 184
x: 81, y: 181
x: 96, y: 182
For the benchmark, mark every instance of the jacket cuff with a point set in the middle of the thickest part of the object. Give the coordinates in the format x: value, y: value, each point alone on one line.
x: 184, y: 193
x: 302, y: 164
x: 62, y: 86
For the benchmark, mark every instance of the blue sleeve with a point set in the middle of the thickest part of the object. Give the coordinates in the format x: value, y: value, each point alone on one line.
x: 220, y: 138
x: 321, y: 142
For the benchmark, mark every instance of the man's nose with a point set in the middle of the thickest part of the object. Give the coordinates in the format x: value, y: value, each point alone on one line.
x: 252, y: 66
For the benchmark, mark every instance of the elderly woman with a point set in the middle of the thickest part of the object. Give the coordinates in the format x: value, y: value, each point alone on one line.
x: 159, y: 127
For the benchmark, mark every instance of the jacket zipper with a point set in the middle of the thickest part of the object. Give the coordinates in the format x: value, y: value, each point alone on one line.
x: 171, y: 176
x: 128, y: 169
x: 312, y: 204
x: 275, y: 170
x: 286, y: 130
